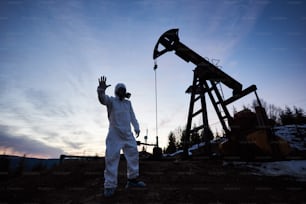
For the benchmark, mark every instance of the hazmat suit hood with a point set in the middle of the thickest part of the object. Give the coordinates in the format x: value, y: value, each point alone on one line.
x: 120, y: 91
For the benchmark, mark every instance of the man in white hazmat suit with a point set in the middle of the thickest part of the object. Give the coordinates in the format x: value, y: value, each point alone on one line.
x: 120, y: 136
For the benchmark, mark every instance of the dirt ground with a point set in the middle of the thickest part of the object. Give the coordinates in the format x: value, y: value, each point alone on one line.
x: 199, y: 180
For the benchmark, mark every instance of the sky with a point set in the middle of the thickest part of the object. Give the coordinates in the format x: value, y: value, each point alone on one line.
x: 53, y: 52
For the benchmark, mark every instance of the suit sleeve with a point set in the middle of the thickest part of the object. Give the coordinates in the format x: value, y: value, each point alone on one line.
x: 103, y: 98
x: 134, y: 120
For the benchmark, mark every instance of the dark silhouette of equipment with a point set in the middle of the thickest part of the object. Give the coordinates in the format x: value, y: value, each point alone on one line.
x: 206, y: 77
x: 157, y: 151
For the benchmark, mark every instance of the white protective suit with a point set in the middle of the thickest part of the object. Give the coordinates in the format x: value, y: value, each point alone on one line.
x: 120, y: 136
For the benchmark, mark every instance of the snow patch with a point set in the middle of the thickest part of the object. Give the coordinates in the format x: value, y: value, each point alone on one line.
x: 190, y: 149
x: 293, y: 168
x: 293, y: 134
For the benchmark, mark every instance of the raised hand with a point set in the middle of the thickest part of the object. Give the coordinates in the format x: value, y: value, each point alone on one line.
x: 102, y: 83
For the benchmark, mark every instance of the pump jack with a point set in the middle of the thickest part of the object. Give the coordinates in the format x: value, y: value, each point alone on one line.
x: 206, y: 76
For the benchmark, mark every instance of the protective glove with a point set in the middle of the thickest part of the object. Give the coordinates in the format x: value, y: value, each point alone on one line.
x: 102, y: 84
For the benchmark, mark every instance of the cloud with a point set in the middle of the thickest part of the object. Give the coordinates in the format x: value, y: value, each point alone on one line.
x: 226, y: 27
x: 21, y: 144
x: 48, y: 83
x: 72, y: 144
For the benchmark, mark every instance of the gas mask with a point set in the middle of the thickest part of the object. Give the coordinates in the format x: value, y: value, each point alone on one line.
x: 121, y: 92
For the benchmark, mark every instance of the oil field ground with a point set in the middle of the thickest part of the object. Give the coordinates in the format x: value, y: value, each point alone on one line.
x: 198, y: 180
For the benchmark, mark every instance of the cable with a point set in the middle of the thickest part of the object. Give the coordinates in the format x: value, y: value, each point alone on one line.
x: 156, y: 121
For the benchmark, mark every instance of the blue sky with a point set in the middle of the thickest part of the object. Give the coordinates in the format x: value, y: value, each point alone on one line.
x: 52, y: 53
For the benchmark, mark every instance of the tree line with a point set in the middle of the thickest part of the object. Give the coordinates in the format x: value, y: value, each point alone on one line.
x: 286, y: 116
x: 279, y: 116
x: 176, y: 139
